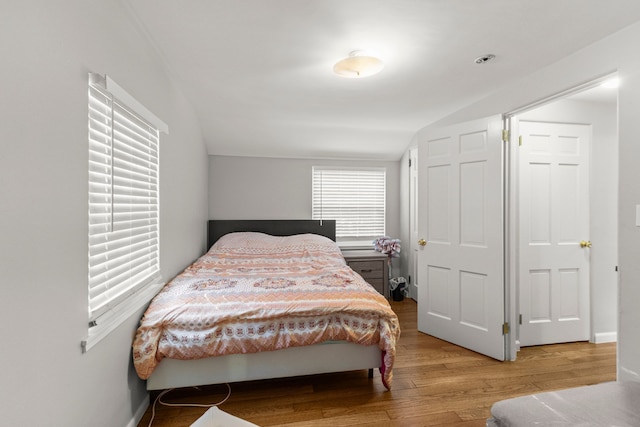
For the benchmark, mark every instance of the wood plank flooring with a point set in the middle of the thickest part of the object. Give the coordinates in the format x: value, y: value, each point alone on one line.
x: 435, y: 384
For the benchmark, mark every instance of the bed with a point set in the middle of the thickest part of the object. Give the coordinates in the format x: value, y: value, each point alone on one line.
x: 269, y: 299
x: 606, y: 404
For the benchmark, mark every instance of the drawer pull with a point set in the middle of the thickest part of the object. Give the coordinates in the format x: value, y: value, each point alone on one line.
x: 367, y: 270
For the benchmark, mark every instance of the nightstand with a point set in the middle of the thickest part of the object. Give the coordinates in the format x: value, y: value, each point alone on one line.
x: 372, y: 266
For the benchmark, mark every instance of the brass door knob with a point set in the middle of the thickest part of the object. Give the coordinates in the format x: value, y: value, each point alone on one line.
x: 585, y: 244
x: 422, y: 242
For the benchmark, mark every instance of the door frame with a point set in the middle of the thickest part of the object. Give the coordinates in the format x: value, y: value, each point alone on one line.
x: 511, y: 216
x: 413, y: 223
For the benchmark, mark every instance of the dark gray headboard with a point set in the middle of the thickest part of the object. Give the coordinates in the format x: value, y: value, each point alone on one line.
x: 276, y: 227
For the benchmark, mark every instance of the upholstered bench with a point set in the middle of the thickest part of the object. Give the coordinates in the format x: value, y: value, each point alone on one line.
x: 607, y: 404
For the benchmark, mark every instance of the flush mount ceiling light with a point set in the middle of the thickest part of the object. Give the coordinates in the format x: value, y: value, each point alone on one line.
x: 358, y: 64
x: 484, y: 58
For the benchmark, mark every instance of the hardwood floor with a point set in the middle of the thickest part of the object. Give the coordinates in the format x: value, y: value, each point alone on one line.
x: 435, y: 384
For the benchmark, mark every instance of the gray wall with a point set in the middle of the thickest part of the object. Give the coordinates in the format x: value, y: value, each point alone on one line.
x: 277, y: 188
x: 47, y: 49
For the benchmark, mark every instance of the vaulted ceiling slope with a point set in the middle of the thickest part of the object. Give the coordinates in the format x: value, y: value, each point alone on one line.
x: 259, y: 72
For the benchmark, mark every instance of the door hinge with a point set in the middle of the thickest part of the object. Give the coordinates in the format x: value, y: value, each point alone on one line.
x: 520, y: 140
x: 409, y: 161
x: 505, y: 328
x: 520, y: 319
x: 505, y: 135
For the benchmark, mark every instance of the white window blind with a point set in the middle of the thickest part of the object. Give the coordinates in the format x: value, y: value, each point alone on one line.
x: 355, y: 198
x: 123, y: 201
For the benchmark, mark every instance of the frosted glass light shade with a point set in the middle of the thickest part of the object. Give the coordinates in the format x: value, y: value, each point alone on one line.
x: 358, y: 65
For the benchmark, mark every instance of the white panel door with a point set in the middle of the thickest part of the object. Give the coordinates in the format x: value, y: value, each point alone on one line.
x: 461, y: 296
x: 554, y: 220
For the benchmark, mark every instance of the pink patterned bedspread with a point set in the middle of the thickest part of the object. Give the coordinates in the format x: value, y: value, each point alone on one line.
x: 253, y: 292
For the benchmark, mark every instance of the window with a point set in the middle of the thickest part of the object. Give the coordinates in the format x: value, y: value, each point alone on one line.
x: 355, y: 198
x: 123, y: 206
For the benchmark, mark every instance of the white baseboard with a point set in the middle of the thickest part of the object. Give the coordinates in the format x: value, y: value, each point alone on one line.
x: 604, y: 337
x: 139, y: 413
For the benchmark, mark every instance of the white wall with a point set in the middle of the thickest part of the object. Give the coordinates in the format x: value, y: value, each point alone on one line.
x: 603, y: 204
x: 615, y: 53
x: 47, y: 49
x: 277, y: 188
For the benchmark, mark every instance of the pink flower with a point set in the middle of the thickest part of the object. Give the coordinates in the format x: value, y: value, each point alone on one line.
x: 387, y: 246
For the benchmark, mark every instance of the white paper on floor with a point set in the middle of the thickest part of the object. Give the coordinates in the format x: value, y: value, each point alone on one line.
x: 214, y: 417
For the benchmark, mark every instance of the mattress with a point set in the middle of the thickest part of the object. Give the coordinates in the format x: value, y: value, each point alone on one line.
x: 253, y: 292
x: 607, y: 404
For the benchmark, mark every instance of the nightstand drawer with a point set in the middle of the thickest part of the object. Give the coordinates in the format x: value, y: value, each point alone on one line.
x: 372, y: 266
x: 368, y: 269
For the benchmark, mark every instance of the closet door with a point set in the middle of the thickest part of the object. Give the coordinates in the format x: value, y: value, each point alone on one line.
x: 554, y: 248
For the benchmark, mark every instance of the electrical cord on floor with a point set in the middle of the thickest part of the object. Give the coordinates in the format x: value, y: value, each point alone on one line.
x: 158, y: 399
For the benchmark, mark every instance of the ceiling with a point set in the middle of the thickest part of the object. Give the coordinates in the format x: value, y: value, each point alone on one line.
x: 259, y: 72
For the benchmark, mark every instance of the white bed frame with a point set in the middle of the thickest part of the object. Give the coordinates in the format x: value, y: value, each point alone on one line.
x: 296, y: 361
x: 335, y: 356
